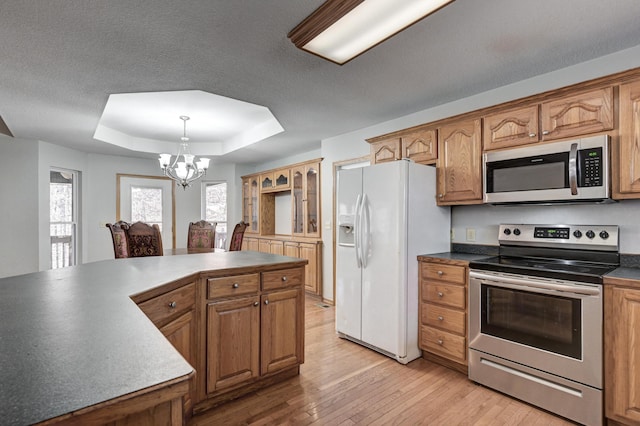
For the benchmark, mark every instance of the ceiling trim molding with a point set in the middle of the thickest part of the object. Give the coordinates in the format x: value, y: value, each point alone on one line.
x: 4, y: 129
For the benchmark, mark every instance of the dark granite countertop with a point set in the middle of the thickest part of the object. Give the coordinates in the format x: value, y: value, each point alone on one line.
x: 465, y: 252
x: 467, y: 257
x: 625, y: 273
x: 72, y: 337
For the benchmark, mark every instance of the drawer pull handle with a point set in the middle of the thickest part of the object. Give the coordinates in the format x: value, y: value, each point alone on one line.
x: 266, y: 302
x: 172, y: 305
x: 440, y: 342
x: 235, y: 285
x: 440, y: 318
x: 284, y: 278
x: 255, y: 303
x: 440, y: 294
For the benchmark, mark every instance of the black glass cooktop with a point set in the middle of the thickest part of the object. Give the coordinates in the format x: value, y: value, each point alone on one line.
x: 549, y: 268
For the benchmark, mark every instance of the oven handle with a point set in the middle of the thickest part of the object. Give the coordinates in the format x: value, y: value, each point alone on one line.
x: 589, y: 291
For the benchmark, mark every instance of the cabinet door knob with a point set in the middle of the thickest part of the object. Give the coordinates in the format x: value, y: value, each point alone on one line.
x: 440, y: 342
x: 440, y: 318
x: 532, y: 135
x: 284, y: 278
x: 266, y: 302
x: 440, y: 294
x: 255, y: 303
x: 440, y: 195
x: 440, y: 273
x: 172, y: 305
x: 235, y: 285
x: 545, y: 132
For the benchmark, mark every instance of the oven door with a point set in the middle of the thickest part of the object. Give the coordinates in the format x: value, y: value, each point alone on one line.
x: 549, y: 325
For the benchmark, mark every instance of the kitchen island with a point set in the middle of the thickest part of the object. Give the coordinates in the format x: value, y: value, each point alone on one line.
x: 73, y: 343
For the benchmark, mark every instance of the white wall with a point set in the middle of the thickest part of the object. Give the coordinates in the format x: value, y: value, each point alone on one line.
x: 19, y: 206
x: 485, y: 218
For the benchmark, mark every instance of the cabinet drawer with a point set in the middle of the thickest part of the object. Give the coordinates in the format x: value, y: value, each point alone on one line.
x: 444, y: 318
x: 444, y: 294
x: 167, y: 305
x: 451, y: 273
x: 232, y: 286
x: 444, y: 344
x: 282, y: 278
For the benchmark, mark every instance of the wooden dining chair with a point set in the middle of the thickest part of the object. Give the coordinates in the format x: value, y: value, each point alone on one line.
x: 236, y: 237
x: 119, y: 238
x: 144, y: 240
x: 202, y: 234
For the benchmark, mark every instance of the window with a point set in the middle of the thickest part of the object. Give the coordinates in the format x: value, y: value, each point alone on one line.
x: 63, y: 217
x: 146, y: 205
x: 215, y: 209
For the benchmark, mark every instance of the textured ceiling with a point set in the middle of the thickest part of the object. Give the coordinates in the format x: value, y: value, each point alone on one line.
x: 61, y: 59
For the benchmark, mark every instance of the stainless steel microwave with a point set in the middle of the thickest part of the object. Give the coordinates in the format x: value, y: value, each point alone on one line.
x: 569, y: 171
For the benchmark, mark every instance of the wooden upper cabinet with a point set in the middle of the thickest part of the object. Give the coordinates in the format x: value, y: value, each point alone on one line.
x: 420, y: 146
x: 580, y: 114
x: 278, y: 180
x: 386, y: 150
x: 628, y: 161
x: 459, y: 167
x: 511, y: 128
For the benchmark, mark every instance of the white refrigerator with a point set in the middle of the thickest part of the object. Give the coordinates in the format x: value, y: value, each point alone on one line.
x: 387, y: 216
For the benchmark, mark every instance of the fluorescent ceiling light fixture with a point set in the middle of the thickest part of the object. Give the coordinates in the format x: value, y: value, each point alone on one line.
x: 340, y: 30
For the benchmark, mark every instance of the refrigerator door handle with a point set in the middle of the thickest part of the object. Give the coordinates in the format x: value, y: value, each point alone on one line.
x: 365, y: 230
x: 356, y: 231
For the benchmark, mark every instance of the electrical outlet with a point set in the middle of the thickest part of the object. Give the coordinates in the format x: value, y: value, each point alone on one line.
x: 471, y: 234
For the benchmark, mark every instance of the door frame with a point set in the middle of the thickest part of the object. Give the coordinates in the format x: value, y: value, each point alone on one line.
x: 173, y: 199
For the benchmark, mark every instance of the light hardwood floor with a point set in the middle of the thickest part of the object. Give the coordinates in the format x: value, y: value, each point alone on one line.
x: 342, y: 383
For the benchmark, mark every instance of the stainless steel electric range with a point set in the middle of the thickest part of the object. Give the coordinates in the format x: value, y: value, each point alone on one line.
x: 535, y: 316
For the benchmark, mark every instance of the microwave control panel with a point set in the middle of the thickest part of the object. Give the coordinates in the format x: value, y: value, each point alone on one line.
x: 590, y: 167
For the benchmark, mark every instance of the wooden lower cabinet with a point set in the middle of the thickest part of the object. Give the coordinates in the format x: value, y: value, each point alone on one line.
x: 270, y: 246
x: 173, y: 312
x: 282, y: 330
x: 622, y: 350
x: 443, y: 311
x: 233, y: 342
x: 253, y: 332
x: 312, y: 252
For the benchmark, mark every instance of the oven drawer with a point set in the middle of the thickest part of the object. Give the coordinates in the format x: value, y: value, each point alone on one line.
x: 440, y: 272
x: 444, y: 294
x: 445, y: 344
x: 444, y: 318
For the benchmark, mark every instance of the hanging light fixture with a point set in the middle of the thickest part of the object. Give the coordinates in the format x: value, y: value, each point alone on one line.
x: 183, y: 170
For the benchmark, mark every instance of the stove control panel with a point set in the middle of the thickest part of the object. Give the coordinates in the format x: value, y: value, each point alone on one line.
x: 586, y: 237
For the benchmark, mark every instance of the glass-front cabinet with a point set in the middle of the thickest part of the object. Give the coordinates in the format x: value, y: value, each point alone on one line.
x: 306, y: 200
x: 251, y: 203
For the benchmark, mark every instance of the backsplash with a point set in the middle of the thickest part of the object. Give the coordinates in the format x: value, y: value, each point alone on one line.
x: 480, y: 222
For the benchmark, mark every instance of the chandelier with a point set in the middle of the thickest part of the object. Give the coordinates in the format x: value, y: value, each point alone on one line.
x: 183, y: 170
